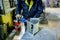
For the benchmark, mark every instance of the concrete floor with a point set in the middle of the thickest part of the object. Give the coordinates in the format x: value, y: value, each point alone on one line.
x: 44, y: 34
x: 54, y: 26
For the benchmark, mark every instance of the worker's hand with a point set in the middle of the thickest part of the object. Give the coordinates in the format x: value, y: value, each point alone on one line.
x: 17, y: 15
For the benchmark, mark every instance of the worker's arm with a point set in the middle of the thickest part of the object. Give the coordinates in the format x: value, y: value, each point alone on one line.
x: 25, y: 9
x: 18, y: 7
x: 40, y: 9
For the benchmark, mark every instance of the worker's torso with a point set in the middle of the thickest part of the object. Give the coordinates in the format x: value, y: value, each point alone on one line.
x: 28, y: 6
x: 30, y: 9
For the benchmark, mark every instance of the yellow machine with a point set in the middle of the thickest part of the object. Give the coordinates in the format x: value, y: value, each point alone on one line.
x: 6, y: 18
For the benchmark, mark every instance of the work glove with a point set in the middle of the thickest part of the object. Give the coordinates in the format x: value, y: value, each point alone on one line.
x: 18, y: 16
x: 22, y: 20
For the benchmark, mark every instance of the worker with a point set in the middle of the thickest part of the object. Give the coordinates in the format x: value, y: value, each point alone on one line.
x: 31, y: 8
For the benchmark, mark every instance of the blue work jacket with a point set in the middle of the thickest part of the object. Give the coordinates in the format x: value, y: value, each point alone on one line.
x: 35, y: 11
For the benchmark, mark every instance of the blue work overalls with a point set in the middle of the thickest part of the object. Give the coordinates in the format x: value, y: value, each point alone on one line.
x: 34, y: 12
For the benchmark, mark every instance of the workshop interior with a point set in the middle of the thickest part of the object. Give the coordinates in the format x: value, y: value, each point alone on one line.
x: 29, y: 19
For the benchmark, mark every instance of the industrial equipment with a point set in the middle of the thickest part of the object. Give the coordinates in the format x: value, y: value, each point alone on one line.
x: 33, y: 25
